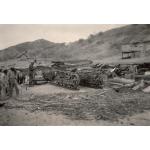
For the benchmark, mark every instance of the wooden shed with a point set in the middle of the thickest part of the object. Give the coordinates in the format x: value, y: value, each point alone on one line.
x: 138, y: 47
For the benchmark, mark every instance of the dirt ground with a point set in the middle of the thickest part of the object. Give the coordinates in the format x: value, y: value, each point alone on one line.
x: 51, y: 105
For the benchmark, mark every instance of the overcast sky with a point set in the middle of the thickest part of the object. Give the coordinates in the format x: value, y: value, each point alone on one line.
x: 15, y: 34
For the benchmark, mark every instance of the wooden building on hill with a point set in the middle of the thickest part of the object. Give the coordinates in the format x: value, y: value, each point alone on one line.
x: 128, y: 52
x: 136, y: 48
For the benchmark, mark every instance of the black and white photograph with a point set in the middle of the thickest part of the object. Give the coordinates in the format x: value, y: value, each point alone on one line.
x: 74, y: 74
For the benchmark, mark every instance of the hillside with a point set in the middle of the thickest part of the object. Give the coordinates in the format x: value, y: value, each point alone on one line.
x: 95, y: 47
x: 37, y: 48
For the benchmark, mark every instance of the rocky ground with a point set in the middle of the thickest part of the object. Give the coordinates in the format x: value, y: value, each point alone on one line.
x: 52, y: 105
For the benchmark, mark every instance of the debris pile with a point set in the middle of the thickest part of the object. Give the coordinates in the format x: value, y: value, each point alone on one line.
x: 133, y: 76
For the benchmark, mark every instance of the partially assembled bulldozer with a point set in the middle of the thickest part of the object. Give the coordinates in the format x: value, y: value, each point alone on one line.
x: 71, y: 76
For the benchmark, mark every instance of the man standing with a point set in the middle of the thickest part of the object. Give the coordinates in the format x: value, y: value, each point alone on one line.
x: 6, y: 84
x: 1, y: 83
x: 12, y: 79
x: 31, y: 73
